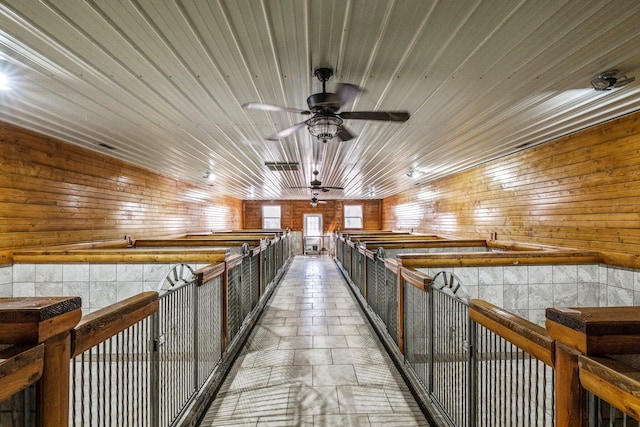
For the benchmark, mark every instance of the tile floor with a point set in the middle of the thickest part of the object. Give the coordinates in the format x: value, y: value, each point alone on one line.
x: 313, y: 360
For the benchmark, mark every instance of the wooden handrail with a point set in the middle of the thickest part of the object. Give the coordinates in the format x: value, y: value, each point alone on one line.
x: 210, y: 272
x: 467, y: 259
x: 233, y: 261
x: 105, y: 323
x: 612, y: 381
x: 416, y: 278
x: 229, y: 241
x: 526, y: 335
x: 20, y: 366
x: 128, y: 255
x: 423, y: 243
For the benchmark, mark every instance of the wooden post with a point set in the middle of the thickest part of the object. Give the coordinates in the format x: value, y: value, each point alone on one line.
x: 590, y: 331
x: 571, y: 402
x: 49, y: 321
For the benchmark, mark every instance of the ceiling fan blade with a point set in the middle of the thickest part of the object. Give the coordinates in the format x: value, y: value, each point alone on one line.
x: 345, y: 92
x: 390, y: 116
x: 286, y: 132
x: 327, y: 188
x: 344, y: 134
x: 322, y: 202
x: 269, y: 107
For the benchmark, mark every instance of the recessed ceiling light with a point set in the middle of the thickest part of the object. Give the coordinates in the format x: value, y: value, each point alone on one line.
x: 4, y: 82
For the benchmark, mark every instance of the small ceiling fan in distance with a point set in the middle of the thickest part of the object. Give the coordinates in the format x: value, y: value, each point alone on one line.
x: 315, y: 201
x: 326, y: 122
x: 316, y: 185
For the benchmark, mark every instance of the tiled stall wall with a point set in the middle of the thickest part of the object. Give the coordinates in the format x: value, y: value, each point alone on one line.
x: 6, y: 281
x: 99, y: 285
x: 529, y: 290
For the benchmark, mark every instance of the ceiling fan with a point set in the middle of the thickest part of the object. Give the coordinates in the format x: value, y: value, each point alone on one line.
x: 326, y: 122
x: 610, y: 80
x: 316, y: 185
x: 315, y: 201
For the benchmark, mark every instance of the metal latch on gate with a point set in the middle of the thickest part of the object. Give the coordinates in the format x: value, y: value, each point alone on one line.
x: 158, y: 342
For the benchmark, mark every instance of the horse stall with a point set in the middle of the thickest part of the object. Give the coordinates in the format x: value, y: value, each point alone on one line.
x: 163, y: 320
x: 464, y: 319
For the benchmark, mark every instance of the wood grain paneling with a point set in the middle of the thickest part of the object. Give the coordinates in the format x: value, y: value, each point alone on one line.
x: 52, y: 192
x: 579, y: 191
x: 292, y: 213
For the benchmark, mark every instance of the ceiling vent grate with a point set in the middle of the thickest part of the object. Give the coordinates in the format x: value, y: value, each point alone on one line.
x: 281, y: 166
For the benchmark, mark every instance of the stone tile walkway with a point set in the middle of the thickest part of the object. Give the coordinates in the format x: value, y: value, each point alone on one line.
x: 313, y: 360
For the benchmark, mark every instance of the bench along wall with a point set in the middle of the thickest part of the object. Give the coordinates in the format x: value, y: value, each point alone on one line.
x: 54, y: 193
x: 579, y: 191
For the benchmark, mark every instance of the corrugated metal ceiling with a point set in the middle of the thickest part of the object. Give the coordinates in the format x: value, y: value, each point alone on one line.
x: 163, y: 82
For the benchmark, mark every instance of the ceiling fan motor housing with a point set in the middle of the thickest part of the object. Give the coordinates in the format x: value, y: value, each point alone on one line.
x: 323, y: 102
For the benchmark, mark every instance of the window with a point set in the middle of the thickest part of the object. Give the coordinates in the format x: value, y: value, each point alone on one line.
x: 353, y: 216
x: 271, y: 217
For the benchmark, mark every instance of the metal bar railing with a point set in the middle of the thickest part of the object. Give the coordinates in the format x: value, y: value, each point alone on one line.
x: 515, y: 379
x: 20, y: 368
x: 112, y: 363
x: 450, y: 349
x: 210, y: 320
x: 177, y: 349
x: 235, y: 297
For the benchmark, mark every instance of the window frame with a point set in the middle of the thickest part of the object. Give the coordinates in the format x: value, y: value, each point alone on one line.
x: 360, y: 217
x: 266, y: 218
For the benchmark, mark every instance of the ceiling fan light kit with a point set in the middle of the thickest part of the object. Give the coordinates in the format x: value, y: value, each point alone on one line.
x: 324, y: 128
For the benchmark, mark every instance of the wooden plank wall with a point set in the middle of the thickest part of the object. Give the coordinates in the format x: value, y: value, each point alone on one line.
x: 52, y: 192
x: 293, y: 211
x: 580, y: 191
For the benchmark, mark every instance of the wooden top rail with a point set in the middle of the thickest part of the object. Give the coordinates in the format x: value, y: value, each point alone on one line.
x: 125, y: 255
x: 612, y: 381
x: 394, y: 237
x: 416, y: 278
x: 234, y: 261
x: 154, y: 243
x: 281, y: 231
x: 343, y: 235
x: 233, y: 236
x: 453, y: 259
x: 426, y: 243
x: 35, y: 320
x: 210, y: 272
x: 20, y: 366
x: 596, y: 330
x: 519, y: 246
x: 526, y: 335
x: 105, y: 323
